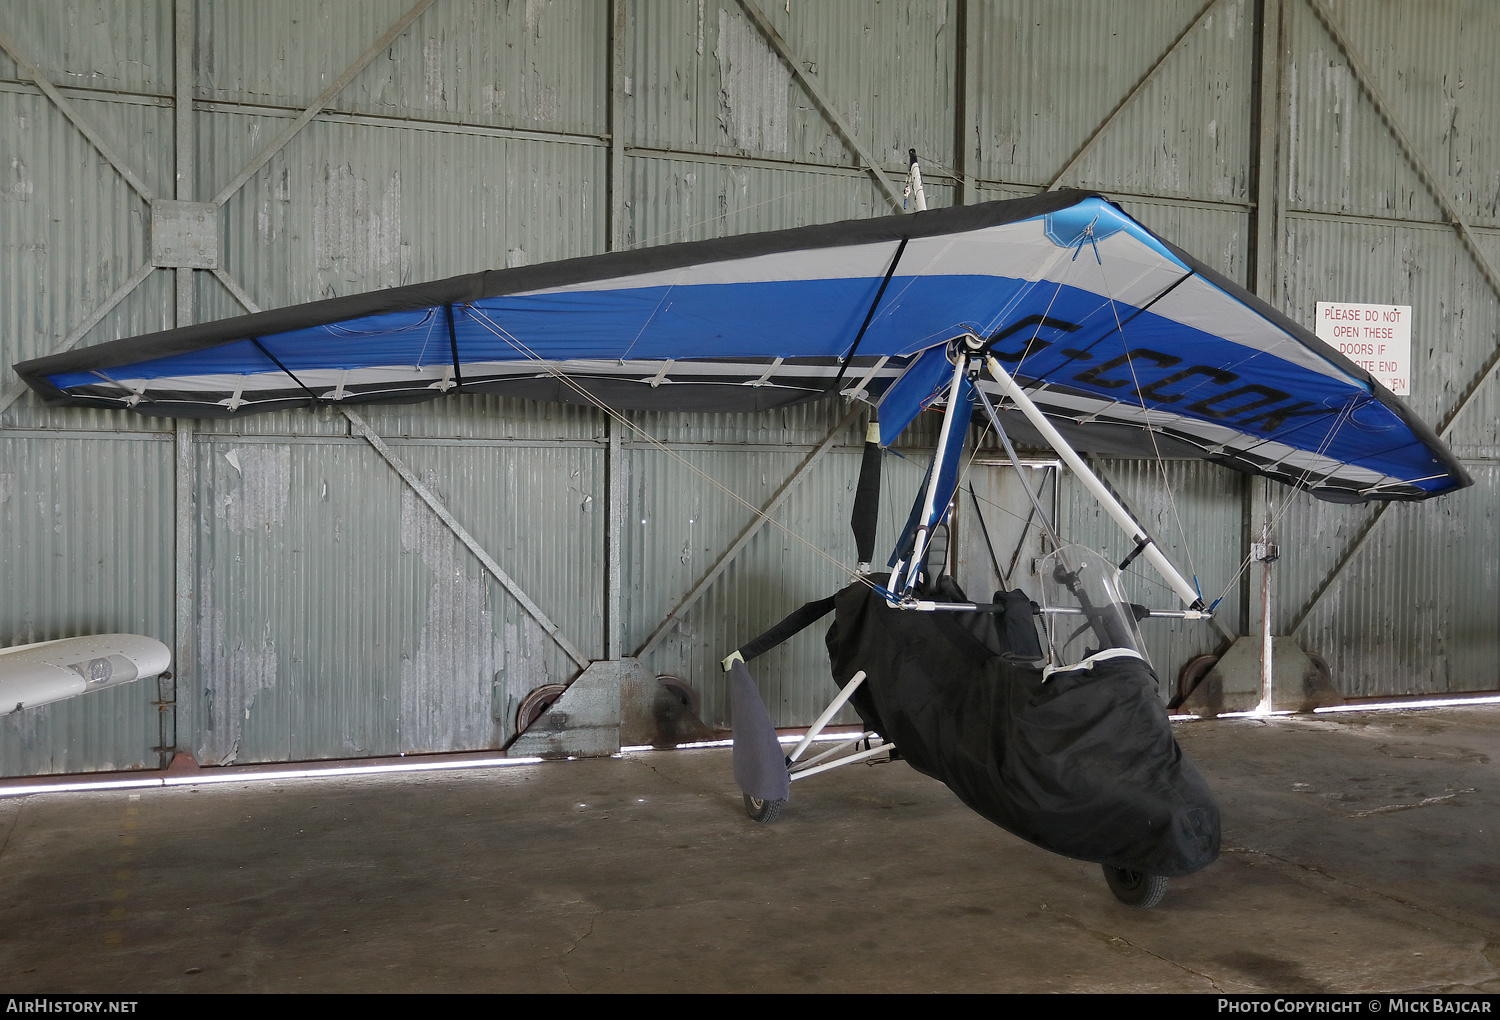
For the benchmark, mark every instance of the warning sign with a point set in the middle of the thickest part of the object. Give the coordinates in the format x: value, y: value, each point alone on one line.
x: 1377, y: 338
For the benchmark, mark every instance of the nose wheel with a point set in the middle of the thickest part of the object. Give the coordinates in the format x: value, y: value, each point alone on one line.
x: 1135, y: 888
x: 763, y: 811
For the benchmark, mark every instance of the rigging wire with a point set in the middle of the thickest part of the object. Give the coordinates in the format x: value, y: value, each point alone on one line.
x: 1025, y: 351
x: 1344, y: 414
x: 956, y: 176
x: 432, y: 325
x: 1045, y: 526
x: 1077, y: 249
x: 1150, y: 431
x: 647, y: 323
x: 1149, y: 426
x: 1088, y: 238
x: 1195, y: 388
x: 553, y: 369
x: 1250, y: 356
x: 1131, y: 571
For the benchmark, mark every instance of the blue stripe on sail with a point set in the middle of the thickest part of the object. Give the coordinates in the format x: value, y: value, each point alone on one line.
x: 1181, y: 369
x: 786, y: 319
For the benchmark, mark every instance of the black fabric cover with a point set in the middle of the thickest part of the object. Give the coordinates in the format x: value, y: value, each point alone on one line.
x: 1084, y: 765
x: 1017, y: 624
x: 866, y: 515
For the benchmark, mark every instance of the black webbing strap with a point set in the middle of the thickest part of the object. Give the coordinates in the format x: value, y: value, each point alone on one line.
x: 793, y: 624
x: 1140, y: 547
x: 865, y: 518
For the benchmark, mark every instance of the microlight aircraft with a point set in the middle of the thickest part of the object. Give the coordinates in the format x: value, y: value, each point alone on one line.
x: 1058, y: 320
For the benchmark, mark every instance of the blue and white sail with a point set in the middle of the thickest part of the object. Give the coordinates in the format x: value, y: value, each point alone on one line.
x: 1127, y: 343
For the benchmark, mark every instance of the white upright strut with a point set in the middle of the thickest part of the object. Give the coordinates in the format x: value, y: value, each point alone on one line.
x: 913, y: 567
x: 1011, y: 389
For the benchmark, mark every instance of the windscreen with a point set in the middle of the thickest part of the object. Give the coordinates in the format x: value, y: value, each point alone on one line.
x: 1083, y: 610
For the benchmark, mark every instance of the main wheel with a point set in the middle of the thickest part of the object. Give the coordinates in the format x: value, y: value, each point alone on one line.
x: 1137, y: 888
x: 763, y: 811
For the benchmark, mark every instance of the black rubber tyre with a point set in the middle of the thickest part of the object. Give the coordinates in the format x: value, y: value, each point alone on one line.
x: 763, y: 811
x: 1136, y: 888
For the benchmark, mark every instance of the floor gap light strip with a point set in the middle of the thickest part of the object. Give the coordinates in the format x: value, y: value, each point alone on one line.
x: 1363, y: 706
x: 161, y: 782
x: 260, y: 777
x: 484, y: 763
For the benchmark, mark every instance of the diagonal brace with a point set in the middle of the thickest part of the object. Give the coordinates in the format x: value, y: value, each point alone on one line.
x: 238, y: 292
x: 437, y: 507
x: 1114, y: 114
x: 13, y: 392
x: 825, y: 105
x: 1429, y: 179
x: 106, y: 150
x: 1347, y: 557
x: 324, y: 98
x: 434, y: 504
x: 750, y: 531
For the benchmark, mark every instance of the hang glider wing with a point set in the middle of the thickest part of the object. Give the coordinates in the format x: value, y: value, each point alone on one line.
x: 1110, y: 328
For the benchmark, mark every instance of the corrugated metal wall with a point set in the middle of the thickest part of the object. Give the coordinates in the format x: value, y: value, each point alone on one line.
x: 329, y: 612
x: 1414, y: 611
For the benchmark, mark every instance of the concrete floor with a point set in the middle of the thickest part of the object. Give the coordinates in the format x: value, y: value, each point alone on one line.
x: 1359, y: 855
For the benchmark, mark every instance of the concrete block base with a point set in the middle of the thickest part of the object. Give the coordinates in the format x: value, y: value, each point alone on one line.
x: 613, y: 703
x: 1234, y: 683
